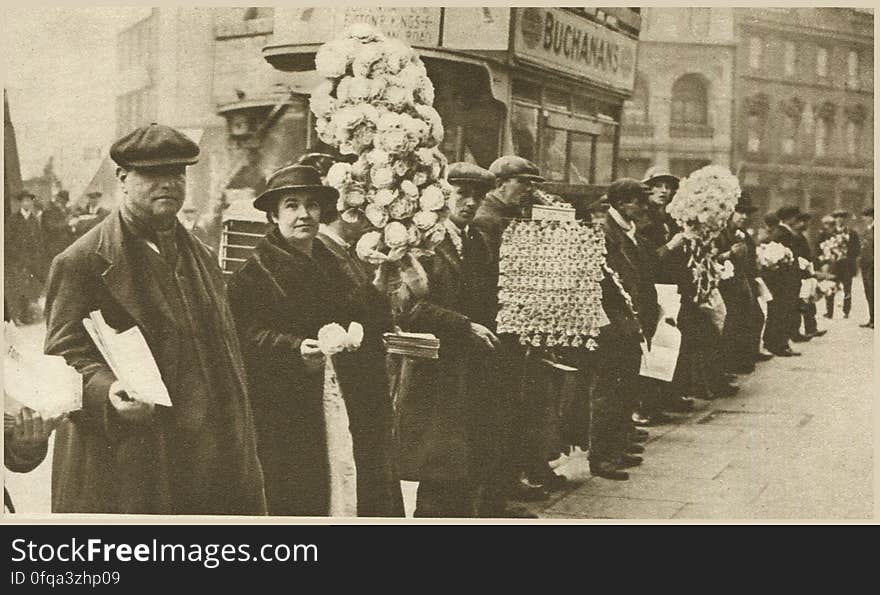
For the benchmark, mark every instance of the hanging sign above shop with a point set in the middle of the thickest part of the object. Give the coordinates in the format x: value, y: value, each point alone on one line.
x: 566, y: 42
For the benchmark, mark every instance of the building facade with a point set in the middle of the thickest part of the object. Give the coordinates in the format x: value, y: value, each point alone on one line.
x: 680, y: 115
x: 804, y: 107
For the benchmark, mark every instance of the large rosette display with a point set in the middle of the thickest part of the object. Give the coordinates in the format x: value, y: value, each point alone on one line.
x: 702, y: 207
x: 376, y: 103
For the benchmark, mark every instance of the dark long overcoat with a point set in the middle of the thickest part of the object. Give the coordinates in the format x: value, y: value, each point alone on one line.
x: 103, y: 464
x: 447, y: 404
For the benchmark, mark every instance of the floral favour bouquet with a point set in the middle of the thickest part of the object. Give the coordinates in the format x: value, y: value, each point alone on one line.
x: 773, y: 255
x: 834, y: 249
x: 376, y: 103
x: 702, y: 206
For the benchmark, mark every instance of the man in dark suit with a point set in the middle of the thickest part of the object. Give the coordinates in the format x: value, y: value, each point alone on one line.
x: 866, y: 263
x: 630, y: 302
x: 784, y: 283
x: 56, y: 225
x: 447, y: 410
x: 806, y: 304
x: 122, y: 453
x: 844, y: 269
x: 25, y: 259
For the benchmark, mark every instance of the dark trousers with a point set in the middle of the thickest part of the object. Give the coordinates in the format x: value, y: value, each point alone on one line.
x: 783, y: 314
x: 868, y: 281
x: 846, y: 281
x: 614, y: 398
x: 808, y: 314
x: 446, y: 499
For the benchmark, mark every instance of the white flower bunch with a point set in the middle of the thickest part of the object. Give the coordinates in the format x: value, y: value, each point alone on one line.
x: 772, y: 255
x: 376, y: 102
x: 333, y: 338
x: 704, y: 202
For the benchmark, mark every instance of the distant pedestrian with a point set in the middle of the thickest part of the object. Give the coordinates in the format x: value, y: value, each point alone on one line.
x: 89, y: 215
x: 866, y: 263
x: 56, y: 225
x: 25, y: 260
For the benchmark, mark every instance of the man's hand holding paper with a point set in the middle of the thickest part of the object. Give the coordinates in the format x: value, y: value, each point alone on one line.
x: 129, y: 406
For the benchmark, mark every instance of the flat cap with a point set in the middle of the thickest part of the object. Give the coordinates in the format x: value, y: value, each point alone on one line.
x: 788, y: 212
x: 626, y: 189
x: 154, y: 146
x: 656, y: 174
x: 841, y: 213
x: 513, y: 166
x: 25, y: 194
x: 469, y: 172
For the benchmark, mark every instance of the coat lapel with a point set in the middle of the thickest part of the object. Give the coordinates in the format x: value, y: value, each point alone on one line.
x: 118, y: 276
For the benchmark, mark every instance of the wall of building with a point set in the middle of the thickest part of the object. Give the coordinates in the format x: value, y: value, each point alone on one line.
x: 676, y: 43
x: 788, y: 99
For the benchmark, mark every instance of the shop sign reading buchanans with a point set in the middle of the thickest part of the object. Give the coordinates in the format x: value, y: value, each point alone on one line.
x: 566, y: 42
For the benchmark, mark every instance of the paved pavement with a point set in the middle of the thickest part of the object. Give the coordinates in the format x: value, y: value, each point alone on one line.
x: 795, y: 443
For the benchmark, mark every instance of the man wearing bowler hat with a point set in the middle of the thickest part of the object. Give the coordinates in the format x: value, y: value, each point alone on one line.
x: 139, y: 267
x: 25, y: 259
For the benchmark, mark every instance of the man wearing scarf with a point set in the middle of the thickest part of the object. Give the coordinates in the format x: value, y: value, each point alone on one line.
x: 139, y: 267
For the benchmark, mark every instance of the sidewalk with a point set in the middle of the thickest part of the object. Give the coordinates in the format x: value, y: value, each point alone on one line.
x: 795, y: 442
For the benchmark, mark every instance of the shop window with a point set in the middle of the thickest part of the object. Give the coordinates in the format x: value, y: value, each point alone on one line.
x: 605, y: 155
x: 689, y: 100
x: 789, y: 58
x: 636, y: 109
x: 525, y: 91
x: 581, y: 158
x: 852, y: 70
x: 524, y: 124
x: 556, y: 99
x: 822, y: 63
x: 756, y: 50
x: 554, y: 149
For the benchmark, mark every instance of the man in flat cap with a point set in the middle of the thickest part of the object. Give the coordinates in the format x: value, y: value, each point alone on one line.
x: 866, y: 263
x: 845, y: 268
x: 25, y: 259
x: 446, y: 413
x: 515, y: 178
x: 139, y: 267
x: 633, y: 314
x: 784, y: 283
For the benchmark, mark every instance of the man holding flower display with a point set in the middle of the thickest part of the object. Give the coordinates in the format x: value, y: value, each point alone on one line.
x: 447, y: 420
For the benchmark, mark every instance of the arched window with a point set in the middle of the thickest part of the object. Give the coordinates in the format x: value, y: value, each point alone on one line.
x: 636, y: 108
x: 689, y: 100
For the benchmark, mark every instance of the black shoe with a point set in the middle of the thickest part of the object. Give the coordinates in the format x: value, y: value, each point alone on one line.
x: 641, y: 420
x: 787, y: 352
x: 869, y: 324
x: 679, y: 405
x: 725, y: 391
x: 821, y: 333
x: 635, y: 449
x: 628, y: 460
x: 846, y: 314
x: 763, y: 357
x: 608, y: 470
x: 799, y: 338
x: 828, y: 316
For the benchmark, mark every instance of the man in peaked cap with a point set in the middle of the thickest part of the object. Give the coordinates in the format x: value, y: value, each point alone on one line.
x: 511, y: 199
x: 139, y: 267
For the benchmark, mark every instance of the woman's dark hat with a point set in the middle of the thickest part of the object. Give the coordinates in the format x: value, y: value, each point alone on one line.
x: 301, y: 178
